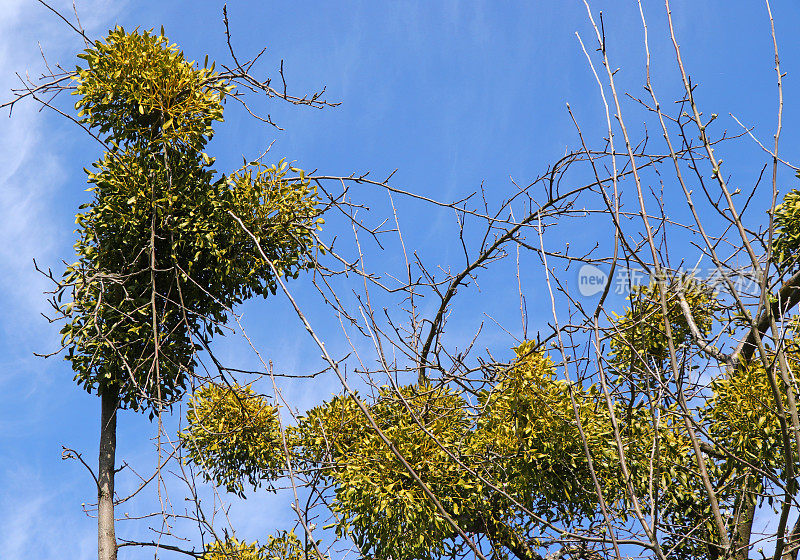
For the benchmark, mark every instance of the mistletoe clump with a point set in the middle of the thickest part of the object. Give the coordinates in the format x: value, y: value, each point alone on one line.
x: 166, y: 247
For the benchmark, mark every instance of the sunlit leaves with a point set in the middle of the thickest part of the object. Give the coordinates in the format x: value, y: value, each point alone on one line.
x: 530, y: 440
x: 743, y: 412
x: 530, y: 444
x: 233, y: 549
x: 786, y: 244
x: 233, y: 436
x: 162, y: 257
x: 639, y: 341
x: 377, y: 499
x: 283, y: 546
x: 139, y: 86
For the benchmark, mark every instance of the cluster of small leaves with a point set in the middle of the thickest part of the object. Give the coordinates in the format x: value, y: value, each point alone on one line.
x: 233, y: 435
x: 640, y: 350
x: 522, y: 437
x: 526, y: 441
x: 233, y: 549
x: 528, y: 435
x: 282, y: 213
x: 679, y: 490
x: 534, y: 448
x: 285, y: 546
x: 162, y: 256
x: 377, y: 499
x: 786, y: 244
x: 639, y: 342
x: 743, y: 414
x: 138, y: 86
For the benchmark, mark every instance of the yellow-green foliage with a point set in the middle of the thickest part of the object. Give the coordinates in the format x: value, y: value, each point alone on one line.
x: 282, y: 214
x: 376, y: 497
x: 233, y: 435
x: 285, y: 546
x: 786, y: 245
x: 531, y: 441
x: 639, y: 340
x: 529, y: 437
x: 233, y: 549
x: 521, y: 436
x: 161, y: 232
x: 138, y: 85
x: 743, y: 413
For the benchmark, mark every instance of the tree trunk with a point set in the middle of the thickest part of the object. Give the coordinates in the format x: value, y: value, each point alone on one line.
x: 744, y: 512
x: 793, y: 543
x: 502, y: 536
x: 742, y: 533
x: 106, y: 539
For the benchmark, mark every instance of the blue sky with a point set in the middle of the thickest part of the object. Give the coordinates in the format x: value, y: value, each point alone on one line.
x: 451, y: 94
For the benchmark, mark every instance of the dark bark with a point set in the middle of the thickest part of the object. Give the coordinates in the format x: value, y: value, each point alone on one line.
x: 741, y: 535
x: 792, y: 543
x: 503, y: 536
x: 744, y: 513
x: 787, y: 298
x: 106, y: 539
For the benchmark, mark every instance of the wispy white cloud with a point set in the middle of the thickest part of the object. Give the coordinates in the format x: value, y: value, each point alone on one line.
x: 31, y: 171
x: 40, y: 515
x: 34, y: 523
x: 24, y: 228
